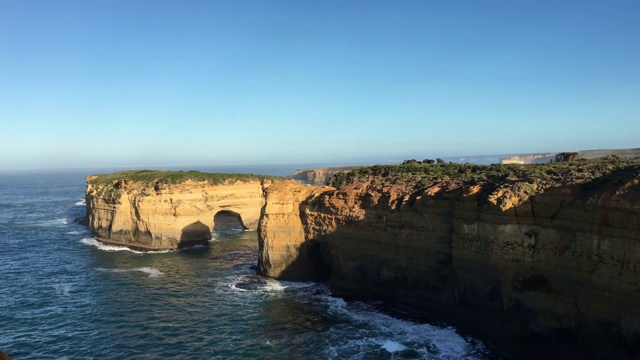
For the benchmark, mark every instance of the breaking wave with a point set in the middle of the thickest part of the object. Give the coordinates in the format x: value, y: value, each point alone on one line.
x: 378, y: 331
x: 54, y: 222
x: 106, y: 247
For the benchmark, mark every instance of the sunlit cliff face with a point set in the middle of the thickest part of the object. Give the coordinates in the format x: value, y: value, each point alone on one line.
x: 170, y: 216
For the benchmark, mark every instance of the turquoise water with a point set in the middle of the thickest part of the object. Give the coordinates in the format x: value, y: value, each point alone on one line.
x: 65, y: 296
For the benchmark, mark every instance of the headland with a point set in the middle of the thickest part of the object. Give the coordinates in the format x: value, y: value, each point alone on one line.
x: 535, y: 259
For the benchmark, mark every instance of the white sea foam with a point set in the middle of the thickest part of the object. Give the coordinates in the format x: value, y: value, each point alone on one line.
x: 62, y: 289
x: 152, y: 272
x: 82, y: 202
x: 273, y: 285
x: 233, y: 282
x: 105, y: 247
x: 392, y: 346
x: 377, y: 330
x: 252, y: 284
x: 54, y: 222
x: 297, y: 285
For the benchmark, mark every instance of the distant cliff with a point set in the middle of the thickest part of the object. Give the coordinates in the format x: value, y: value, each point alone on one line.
x: 541, y: 260
x: 157, y: 210
x: 320, y: 176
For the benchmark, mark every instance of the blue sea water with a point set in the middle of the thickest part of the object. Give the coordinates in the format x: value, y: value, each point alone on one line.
x: 65, y: 296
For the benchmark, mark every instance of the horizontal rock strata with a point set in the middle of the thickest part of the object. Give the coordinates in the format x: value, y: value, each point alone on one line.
x: 537, y: 265
x: 155, y: 215
x: 320, y: 176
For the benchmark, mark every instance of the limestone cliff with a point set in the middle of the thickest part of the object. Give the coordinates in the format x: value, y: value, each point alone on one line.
x: 539, y: 260
x: 167, y: 210
x: 320, y: 176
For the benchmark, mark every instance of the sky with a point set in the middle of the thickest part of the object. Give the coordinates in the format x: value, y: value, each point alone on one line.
x: 141, y: 83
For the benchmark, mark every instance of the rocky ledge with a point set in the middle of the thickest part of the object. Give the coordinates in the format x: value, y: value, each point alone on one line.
x: 540, y: 261
x: 160, y: 210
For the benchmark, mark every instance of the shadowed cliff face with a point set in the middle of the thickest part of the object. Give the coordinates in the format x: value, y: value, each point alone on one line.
x: 151, y: 215
x: 536, y: 265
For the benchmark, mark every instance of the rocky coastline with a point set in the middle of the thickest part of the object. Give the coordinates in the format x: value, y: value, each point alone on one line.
x: 534, y: 259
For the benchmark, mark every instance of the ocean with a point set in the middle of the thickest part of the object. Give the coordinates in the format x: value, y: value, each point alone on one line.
x: 63, y: 295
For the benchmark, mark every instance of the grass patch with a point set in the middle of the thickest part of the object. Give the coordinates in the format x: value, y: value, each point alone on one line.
x: 176, y: 177
x: 545, y: 175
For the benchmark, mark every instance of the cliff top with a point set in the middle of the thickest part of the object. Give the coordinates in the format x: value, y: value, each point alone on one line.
x: 579, y: 171
x: 519, y: 181
x: 174, y: 177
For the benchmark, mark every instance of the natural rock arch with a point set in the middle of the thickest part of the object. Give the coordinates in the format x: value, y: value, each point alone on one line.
x: 145, y: 216
x: 225, y: 220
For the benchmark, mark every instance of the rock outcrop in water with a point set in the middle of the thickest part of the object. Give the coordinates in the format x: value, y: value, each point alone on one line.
x: 4, y: 356
x: 540, y: 260
x: 153, y: 210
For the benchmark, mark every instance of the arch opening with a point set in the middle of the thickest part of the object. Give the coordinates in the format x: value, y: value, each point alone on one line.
x: 228, y: 221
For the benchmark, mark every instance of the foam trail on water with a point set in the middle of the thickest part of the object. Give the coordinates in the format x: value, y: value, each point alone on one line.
x: 82, y: 202
x: 105, y: 247
x: 152, y: 272
x: 54, y: 222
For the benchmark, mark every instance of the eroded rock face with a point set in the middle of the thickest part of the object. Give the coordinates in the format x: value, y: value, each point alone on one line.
x: 316, y: 176
x: 156, y: 216
x: 285, y: 250
x: 536, y: 269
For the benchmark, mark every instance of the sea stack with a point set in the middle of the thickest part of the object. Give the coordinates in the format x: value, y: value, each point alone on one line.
x: 156, y: 210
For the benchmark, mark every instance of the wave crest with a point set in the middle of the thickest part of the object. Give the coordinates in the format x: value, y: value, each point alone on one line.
x: 106, y: 247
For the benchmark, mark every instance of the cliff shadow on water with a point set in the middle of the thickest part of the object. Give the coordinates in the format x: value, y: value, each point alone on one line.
x: 193, y: 234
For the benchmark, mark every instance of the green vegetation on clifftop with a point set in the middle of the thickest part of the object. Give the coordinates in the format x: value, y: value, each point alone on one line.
x: 175, y: 177
x: 543, y: 175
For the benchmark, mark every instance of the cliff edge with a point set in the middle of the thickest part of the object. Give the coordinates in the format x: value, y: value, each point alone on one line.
x: 539, y: 260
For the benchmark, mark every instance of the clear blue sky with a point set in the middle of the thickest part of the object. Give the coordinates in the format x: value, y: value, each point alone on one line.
x: 163, y: 83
